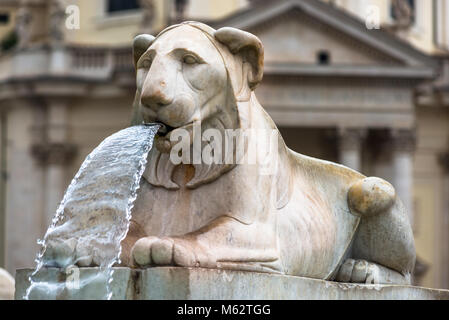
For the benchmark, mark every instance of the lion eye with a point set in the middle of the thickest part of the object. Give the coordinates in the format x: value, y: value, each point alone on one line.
x: 146, y: 64
x: 189, y: 59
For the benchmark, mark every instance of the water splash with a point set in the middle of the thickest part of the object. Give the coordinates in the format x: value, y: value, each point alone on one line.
x: 94, y: 215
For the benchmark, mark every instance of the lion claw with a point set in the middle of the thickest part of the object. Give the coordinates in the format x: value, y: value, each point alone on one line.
x: 169, y: 251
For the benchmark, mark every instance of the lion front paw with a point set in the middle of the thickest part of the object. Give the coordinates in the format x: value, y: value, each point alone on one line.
x: 170, y: 251
x: 358, y: 271
x: 362, y: 271
x: 62, y: 253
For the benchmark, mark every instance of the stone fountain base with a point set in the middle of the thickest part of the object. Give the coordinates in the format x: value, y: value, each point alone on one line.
x: 196, y: 283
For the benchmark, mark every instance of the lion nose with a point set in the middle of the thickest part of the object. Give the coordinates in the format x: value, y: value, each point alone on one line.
x: 156, y: 95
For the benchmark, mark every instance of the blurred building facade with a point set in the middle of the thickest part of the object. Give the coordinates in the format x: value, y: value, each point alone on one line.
x: 363, y: 83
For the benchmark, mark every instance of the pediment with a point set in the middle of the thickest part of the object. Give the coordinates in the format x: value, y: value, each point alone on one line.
x: 295, y: 31
x: 295, y: 37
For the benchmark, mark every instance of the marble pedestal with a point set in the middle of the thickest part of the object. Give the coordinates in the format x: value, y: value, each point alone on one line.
x: 197, y: 283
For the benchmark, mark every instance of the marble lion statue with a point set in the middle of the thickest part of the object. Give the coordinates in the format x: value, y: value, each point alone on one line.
x: 309, y: 218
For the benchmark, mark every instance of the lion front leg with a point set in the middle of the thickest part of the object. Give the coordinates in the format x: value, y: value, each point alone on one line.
x: 224, y: 243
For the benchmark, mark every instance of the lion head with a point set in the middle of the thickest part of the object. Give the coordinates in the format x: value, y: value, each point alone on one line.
x: 190, y: 73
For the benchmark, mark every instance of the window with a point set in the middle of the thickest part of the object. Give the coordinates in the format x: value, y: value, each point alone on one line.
x: 403, y: 11
x: 122, y: 5
x: 4, y: 18
x: 323, y: 57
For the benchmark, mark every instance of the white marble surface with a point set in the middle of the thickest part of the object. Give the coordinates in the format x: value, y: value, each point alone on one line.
x: 197, y: 283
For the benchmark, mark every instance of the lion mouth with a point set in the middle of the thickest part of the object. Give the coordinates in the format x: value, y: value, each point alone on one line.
x: 164, y: 129
x: 163, y: 139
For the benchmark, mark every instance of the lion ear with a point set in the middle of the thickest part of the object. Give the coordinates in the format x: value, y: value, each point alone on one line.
x: 140, y: 44
x: 247, y: 45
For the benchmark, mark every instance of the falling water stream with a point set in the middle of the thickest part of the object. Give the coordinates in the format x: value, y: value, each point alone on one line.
x: 94, y: 214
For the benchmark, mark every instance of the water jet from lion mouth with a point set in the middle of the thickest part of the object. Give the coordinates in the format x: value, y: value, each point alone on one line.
x: 105, y: 187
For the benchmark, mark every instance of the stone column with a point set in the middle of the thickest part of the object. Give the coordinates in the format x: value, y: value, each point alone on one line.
x: 350, y: 147
x: 403, y: 148
x: 54, y: 153
x: 25, y: 182
x: 58, y: 154
x: 444, y: 161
